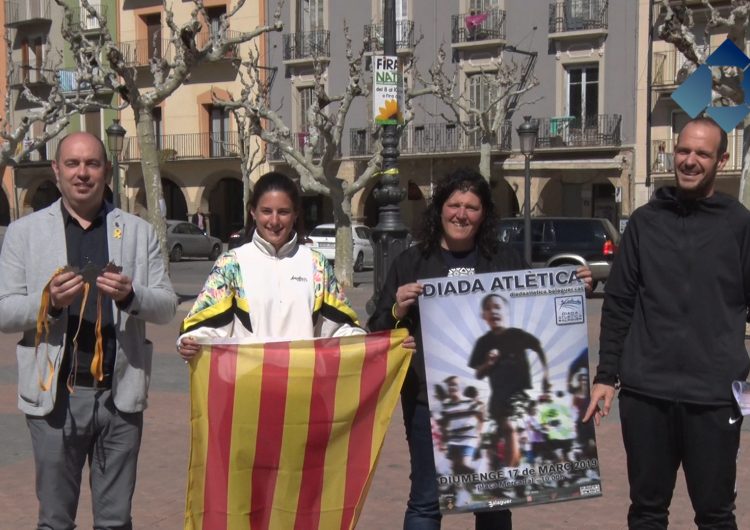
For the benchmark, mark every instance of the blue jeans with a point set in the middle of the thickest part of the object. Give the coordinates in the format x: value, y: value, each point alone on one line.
x: 423, y: 508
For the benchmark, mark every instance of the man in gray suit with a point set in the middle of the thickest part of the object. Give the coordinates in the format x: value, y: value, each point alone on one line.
x: 84, y: 386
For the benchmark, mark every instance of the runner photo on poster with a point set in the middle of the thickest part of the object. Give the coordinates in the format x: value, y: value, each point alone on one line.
x: 506, y: 357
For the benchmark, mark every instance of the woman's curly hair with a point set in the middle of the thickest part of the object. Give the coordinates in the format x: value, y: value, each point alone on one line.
x: 460, y: 180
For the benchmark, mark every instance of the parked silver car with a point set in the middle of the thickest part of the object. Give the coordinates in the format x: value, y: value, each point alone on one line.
x: 186, y: 240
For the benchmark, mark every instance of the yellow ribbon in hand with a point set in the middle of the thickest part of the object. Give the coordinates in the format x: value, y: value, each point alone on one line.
x: 42, y: 328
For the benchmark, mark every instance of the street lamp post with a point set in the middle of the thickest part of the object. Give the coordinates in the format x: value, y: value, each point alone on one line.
x: 115, y: 139
x: 390, y: 234
x: 527, y: 134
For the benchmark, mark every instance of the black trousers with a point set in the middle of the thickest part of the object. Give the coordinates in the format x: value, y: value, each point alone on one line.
x: 660, y: 435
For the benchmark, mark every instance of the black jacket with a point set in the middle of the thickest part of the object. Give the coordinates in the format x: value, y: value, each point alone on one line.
x: 675, y: 304
x: 412, y: 265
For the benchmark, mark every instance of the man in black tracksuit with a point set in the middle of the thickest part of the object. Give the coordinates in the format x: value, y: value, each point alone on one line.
x: 672, y: 335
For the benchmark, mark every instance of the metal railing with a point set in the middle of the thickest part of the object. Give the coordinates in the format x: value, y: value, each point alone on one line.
x: 662, y: 153
x: 662, y: 156
x: 307, y: 45
x: 577, y: 15
x: 668, y: 68
x: 301, y: 139
x: 404, y: 36
x: 570, y: 131
x: 31, y: 75
x: 204, y: 37
x: 83, y: 21
x: 45, y: 152
x: 140, y: 52
x: 18, y: 12
x: 478, y: 26
x: 429, y: 138
x: 69, y: 82
x: 187, y: 146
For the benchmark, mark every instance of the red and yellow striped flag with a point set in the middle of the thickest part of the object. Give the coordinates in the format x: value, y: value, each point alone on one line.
x: 286, y: 435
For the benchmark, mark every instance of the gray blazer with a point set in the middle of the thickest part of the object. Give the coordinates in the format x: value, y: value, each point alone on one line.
x: 34, y: 248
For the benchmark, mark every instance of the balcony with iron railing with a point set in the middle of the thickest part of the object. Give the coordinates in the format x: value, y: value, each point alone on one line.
x: 602, y: 130
x: 22, y: 12
x: 429, y: 138
x: 31, y: 75
x: 477, y: 27
x: 669, y: 68
x: 141, y: 52
x: 69, y: 82
x: 662, y: 153
x: 404, y: 36
x: 577, y: 15
x: 84, y: 21
x: 662, y: 156
x: 307, y: 45
x: 301, y: 141
x: 187, y: 146
x: 45, y: 152
x: 204, y: 37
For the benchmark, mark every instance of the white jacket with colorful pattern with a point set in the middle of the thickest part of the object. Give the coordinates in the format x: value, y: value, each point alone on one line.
x: 254, y: 292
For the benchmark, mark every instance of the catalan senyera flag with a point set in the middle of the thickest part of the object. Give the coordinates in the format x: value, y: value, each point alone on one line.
x: 286, y: 435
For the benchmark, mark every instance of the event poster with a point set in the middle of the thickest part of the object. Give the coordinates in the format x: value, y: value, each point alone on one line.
x: 506, y: 357
x: 387, y: 90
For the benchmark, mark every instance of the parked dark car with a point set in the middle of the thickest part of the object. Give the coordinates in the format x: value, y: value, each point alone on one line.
x: 557, y: 241
x: 186, y: 240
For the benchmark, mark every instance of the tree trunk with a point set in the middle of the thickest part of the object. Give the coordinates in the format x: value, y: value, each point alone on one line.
x: 151, y: 177
x: 342, y: 213
x: 246, y: 191
x: 485, y: 160
x: 245, y: 164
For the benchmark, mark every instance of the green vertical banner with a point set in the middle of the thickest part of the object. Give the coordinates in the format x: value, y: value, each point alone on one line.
x: 387, y: 90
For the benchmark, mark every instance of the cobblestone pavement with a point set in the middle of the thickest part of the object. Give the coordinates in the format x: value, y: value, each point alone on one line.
x: 160, y: 492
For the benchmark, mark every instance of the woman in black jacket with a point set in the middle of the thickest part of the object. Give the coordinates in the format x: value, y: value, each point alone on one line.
x: 458, y: 237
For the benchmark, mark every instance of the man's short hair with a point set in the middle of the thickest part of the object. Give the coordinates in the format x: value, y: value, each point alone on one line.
x: 707, y: 120
x: 99, y: 141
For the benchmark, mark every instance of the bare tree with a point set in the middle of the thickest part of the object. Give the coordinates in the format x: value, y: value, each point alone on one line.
x: 505, y: 80
x: 315, y: 154
x: 169, y: 69
x: 679, y: 28
x: 47, y: 118
x: 252, y: 153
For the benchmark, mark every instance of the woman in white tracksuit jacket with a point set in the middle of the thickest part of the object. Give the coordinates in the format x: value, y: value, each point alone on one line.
x: 271, y: 288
